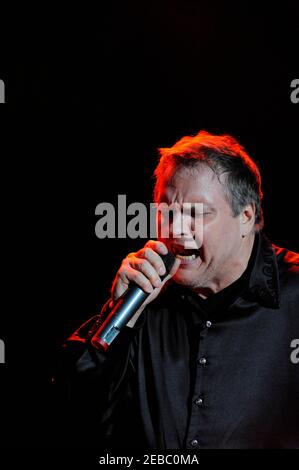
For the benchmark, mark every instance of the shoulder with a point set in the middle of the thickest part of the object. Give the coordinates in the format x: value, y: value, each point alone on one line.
x: 287, y: 260
x: 288, y: 271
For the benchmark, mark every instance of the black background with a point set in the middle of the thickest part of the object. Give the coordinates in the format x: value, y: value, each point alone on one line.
x: 91, y: 94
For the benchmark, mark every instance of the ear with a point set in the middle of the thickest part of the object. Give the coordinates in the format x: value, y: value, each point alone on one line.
x: 247, y: 219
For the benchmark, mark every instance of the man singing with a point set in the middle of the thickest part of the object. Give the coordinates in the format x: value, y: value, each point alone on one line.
x: 206, y: 362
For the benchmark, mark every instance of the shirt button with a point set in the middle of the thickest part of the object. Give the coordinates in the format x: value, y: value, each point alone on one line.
x: 198, y: 401
x: 194, y: 442
x: 202, y: 361
x: 208, y: 324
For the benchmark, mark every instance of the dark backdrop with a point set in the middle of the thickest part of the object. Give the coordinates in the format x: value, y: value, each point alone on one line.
x: 91, y: 95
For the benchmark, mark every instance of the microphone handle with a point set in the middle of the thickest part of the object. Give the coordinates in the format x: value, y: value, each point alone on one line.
x: 126, y: 306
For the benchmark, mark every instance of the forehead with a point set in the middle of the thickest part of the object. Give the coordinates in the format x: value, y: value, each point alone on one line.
x: 191, y: 184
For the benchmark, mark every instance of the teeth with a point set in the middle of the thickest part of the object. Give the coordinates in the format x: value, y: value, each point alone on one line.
x: 187, y: 258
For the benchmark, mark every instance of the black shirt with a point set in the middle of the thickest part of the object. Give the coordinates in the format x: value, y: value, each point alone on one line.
x: 198, y: 374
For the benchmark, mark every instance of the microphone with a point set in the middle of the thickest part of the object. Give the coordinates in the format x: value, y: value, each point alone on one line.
x: 125, y: 308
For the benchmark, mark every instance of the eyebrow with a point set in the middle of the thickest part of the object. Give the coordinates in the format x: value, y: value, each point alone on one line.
x: 164, y: 198
x: 204, y: 206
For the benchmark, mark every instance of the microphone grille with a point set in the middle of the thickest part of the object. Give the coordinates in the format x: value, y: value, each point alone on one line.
x: 168, y: 260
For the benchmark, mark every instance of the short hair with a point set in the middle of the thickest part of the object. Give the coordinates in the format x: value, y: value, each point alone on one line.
x: 225, y: 156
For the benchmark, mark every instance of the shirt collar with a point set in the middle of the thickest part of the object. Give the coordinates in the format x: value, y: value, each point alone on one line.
x: 264, y: 280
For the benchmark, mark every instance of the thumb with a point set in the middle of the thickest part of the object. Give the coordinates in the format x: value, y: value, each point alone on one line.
x: 175, y: 267
x: 173, y: 270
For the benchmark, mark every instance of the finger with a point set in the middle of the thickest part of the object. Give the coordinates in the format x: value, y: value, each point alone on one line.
x: 147, y: 269
x: 119, y: 286
x: 154, y: 258
x: 157, y: 246
x: 131, y: 275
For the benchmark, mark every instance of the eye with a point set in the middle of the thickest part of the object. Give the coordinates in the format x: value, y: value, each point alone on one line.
x: 197, y: 213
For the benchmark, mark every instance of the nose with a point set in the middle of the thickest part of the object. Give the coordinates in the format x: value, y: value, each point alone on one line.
x: 179, y: 226
x: 187, y: 227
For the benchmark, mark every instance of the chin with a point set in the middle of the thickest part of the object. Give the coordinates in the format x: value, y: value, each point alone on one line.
x: 184, y: 278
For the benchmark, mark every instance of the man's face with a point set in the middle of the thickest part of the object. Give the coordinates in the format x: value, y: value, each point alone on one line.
x: 208, y: 240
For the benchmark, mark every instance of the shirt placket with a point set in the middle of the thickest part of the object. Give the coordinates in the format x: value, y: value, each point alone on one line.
x: 199, y: 398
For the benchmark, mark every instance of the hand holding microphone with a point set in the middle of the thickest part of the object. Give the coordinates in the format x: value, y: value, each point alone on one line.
x: 137, y: 283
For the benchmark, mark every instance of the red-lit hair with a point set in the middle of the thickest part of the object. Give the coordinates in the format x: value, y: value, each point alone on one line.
x: 225, y: 156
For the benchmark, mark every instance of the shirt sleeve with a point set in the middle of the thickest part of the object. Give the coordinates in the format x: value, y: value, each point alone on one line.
x: 96, y: 386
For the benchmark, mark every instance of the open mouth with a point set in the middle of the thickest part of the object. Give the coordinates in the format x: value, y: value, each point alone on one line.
x: 185, y: 254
